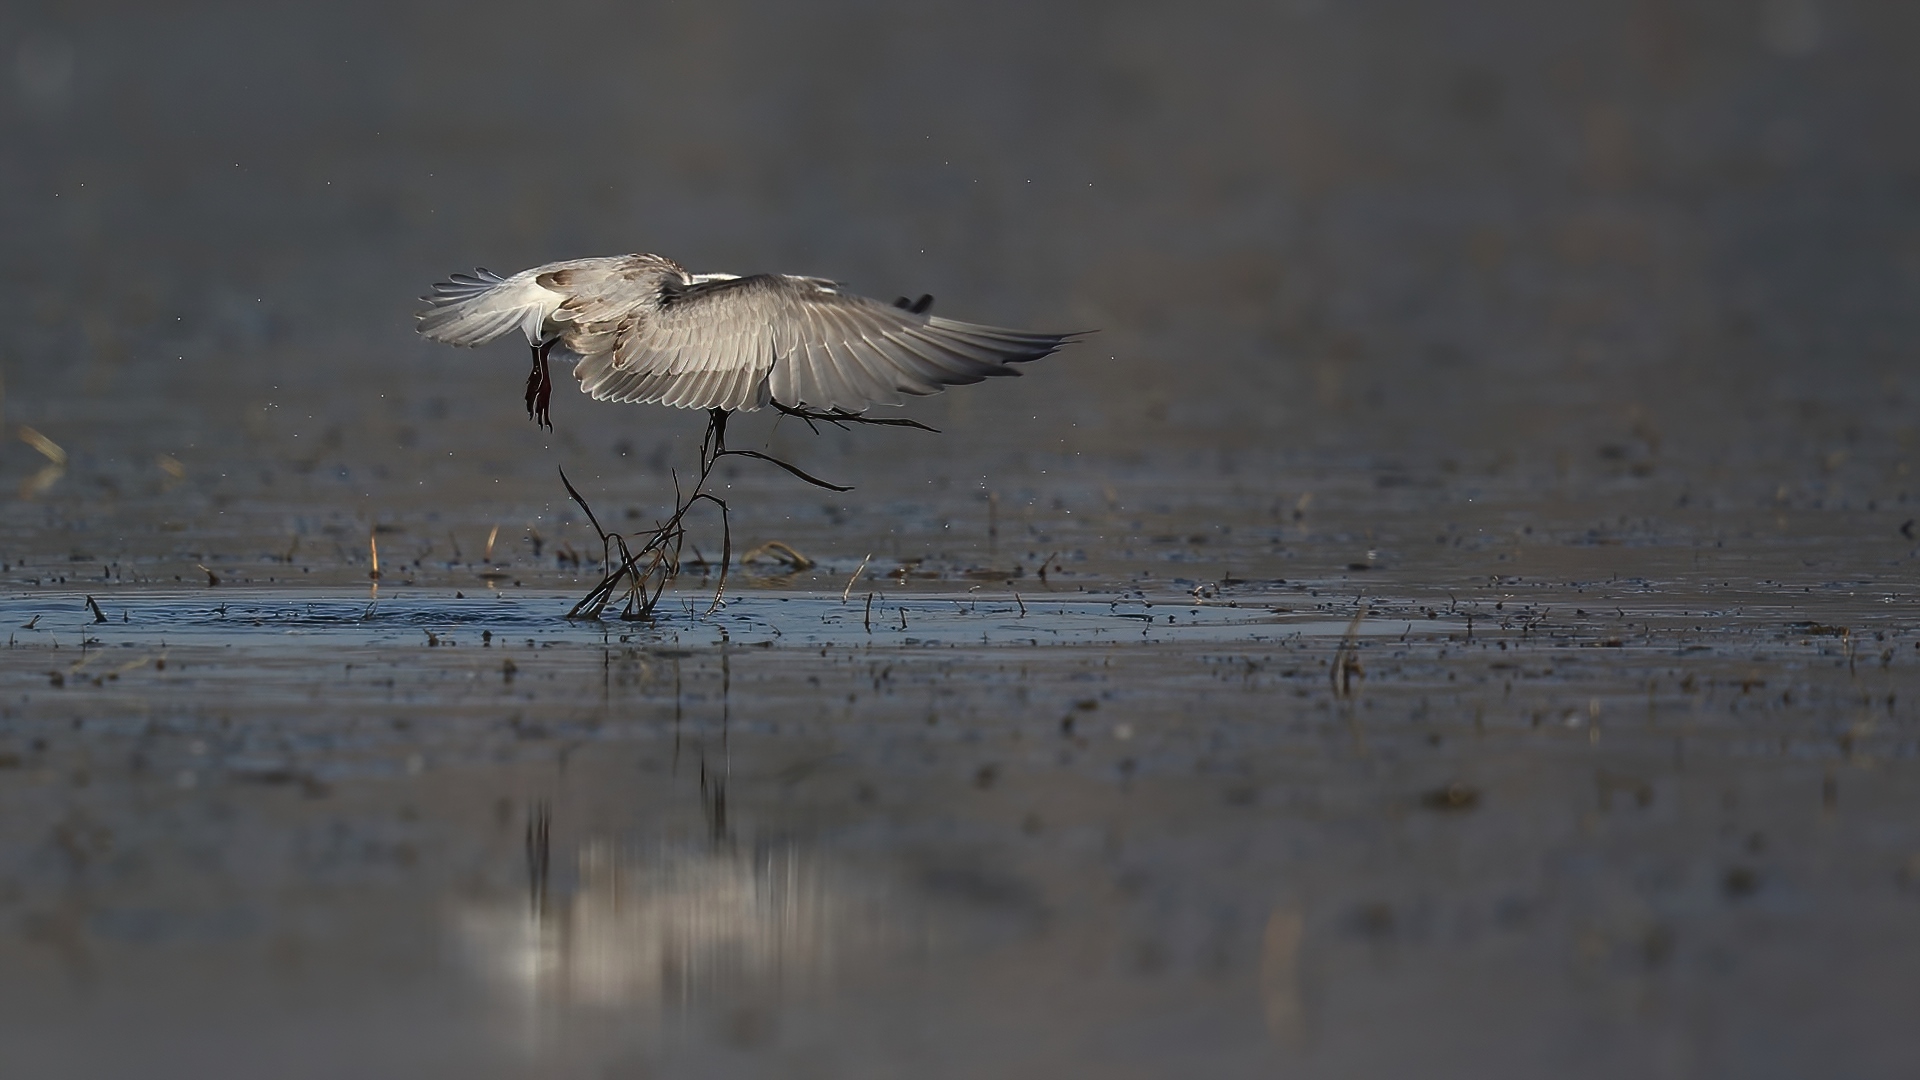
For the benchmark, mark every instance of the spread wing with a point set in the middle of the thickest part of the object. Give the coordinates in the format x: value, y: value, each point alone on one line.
x: 738, y: 343
x: 473, y: 309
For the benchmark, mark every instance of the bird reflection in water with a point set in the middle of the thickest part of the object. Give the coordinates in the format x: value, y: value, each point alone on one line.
x: 677, y: 924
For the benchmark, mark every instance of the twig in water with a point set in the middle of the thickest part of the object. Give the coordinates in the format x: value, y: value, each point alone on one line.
x: 49, y: 449
x: 98, y: 615
x: 652, y: 560
x: 1346, y: 665
x: 1346, y: 661
x: 780, y: 551
x: 856, y: 577
x: 866, y: 621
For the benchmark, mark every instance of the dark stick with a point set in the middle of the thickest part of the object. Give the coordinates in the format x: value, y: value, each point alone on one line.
x: 840, y: 419
x: 794, y: 469
x: 583, y: 505
x: 648, y: 569
x: 660, y: 550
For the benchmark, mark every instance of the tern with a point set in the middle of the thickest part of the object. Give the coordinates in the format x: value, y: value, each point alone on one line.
x: 640, y: 328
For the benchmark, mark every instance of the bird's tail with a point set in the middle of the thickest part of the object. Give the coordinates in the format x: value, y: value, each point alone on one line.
x: 473, y: 309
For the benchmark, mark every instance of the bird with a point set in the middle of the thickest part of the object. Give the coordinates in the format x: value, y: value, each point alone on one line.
x: 640, y: 328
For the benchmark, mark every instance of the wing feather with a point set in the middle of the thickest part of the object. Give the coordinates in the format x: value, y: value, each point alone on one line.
x: 966, y: 366
x: 813, y: 374
x: 920, y: 358
x: 882, y: 375
x: 859, y: 386
x: 844, y: 376
x: 640, y: 328
x: 473, y: 309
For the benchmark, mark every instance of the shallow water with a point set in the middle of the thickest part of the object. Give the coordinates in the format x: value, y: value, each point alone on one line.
x: 1124, y: 833
x: 1458, y: 616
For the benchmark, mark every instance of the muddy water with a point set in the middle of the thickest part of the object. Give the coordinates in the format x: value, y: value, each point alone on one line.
x: 971, y: 827
x: 1458, y: 616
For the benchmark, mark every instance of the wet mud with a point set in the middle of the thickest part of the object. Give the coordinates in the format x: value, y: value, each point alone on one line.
x: 1115, y: 829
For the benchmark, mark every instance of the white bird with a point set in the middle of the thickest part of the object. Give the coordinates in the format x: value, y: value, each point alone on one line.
x: 640, y: 328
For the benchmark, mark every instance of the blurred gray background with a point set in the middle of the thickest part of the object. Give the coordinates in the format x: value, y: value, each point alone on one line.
x: 1485, y: 231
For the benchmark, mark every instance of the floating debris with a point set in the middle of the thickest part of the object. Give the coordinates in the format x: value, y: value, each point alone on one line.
x: 1453, y: 797
x: 40, y: 482
x: 49, y: 449
x: 780, y: 551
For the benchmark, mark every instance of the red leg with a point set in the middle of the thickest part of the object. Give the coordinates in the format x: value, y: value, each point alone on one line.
x: 540, y: 388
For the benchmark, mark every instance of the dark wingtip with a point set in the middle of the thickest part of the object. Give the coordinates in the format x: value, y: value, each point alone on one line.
x: 917, y: 307
x: 1060, y: 341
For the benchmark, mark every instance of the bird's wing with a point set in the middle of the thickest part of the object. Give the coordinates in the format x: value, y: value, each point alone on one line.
x: 601, y: 294
x: 473, y: 309
x: 740, y: 342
